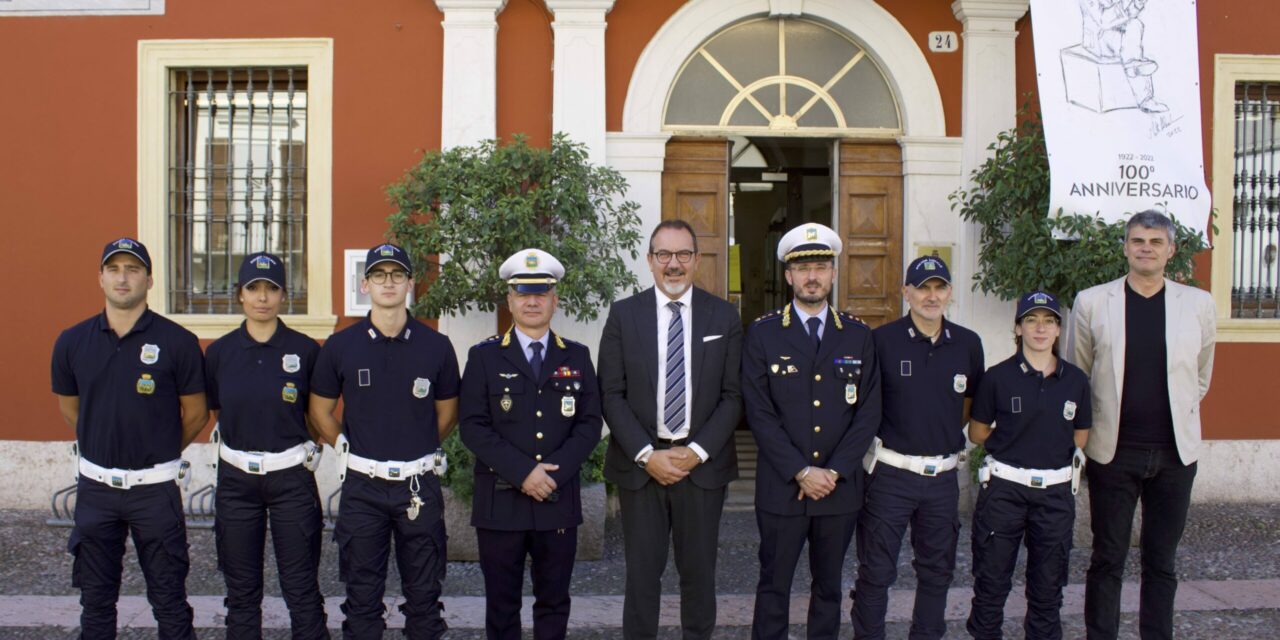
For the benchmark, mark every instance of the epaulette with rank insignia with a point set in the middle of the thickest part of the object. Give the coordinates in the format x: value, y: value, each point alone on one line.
x: 490, y: 339
x: 849, y: 317
x: 772, y: 315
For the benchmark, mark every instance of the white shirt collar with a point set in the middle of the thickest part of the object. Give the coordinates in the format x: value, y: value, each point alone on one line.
x: 804, y: 317
x: 685, y: 299
x: 525, y: 341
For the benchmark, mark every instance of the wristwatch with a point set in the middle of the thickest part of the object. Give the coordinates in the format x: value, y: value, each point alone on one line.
x: 643, y: 460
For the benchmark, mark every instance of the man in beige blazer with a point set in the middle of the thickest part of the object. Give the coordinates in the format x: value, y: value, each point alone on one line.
x: 1147, y: 345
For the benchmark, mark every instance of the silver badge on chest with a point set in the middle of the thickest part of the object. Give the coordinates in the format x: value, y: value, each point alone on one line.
x: 291, y: 363
x: 568, y: 406
x: 421, y: 387
x: 150, y: 354
x: 960, y: 383
x: 851, y: 393
x: 1069, y: 410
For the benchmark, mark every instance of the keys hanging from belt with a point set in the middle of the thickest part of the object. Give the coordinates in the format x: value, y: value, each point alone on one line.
x: 415, y: 503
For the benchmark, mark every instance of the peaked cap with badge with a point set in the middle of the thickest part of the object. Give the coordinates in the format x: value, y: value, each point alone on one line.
x: 809, y: 242
x: 531, y: 271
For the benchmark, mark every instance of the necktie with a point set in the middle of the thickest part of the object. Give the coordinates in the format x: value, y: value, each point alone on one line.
x: 535, y: 362
x: 673, y: 397
x: 814, y: 326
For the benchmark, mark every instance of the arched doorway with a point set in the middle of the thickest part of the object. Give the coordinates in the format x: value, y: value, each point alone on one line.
x: 780, y: 121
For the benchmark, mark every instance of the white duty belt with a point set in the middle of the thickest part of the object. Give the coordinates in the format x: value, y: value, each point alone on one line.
x: 129, y: 478
x: 394, y: 470
x: 261, y: 463
x: 924, y: 465
x: 1034, y: 478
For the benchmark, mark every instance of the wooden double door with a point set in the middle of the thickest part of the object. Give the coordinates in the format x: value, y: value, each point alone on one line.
x: 867, y: 212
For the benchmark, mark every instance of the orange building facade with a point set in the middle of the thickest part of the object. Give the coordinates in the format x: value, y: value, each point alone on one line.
x: 704, y: 105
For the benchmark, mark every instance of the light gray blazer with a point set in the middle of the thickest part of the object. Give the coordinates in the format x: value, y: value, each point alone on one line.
x: 1096, y: 344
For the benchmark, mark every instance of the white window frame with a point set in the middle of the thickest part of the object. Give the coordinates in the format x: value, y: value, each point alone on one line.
x: 1230, y: 69
x: 156, y: 59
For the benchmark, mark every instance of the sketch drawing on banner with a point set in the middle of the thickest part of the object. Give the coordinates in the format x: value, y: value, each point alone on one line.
x: 1109, y: 69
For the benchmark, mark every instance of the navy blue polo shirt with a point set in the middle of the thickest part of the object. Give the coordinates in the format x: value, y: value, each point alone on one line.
x: 130, y: 416
x: 389, y: 386
x: 260, y: 389
x: 1035, y: 416
x: 924, y: 385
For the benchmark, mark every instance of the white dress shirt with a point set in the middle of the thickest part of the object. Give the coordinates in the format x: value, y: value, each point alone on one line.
x: 664, y: 321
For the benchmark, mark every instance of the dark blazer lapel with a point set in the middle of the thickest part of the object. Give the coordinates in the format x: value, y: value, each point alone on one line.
x: 555, y: 357
x: 830, y: 337
x: 646, y: 328
x: 797, y: 336
x: 515, y: 355
x: 701, y: 327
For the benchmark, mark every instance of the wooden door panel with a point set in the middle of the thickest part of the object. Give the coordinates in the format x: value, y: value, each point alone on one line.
x: 695, y: 188
x: 870, y: 193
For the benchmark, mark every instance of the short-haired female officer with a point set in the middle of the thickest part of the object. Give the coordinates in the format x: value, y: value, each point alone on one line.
x: 1032, y: 414
x: 258, y: 387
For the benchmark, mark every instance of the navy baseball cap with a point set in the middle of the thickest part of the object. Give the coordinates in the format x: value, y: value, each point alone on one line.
x: 387, y: 253
x: 129, y: 246
x: 925, y: 268
x: 1038, y: 300
x: 261, y: 266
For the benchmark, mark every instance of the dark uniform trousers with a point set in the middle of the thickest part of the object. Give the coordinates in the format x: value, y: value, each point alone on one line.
x: 372, y: 512
x: 104, y: 517
x: 1007, y: 515
x: 781, y: 539
x: 894, y: 499
x: 244, y: 503
x: 502, y: 557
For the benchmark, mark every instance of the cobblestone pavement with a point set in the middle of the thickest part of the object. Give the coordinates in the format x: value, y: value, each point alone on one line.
x: 1222, y: 542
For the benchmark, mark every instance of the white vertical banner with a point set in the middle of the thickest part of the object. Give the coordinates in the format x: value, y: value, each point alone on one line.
x: 1119, y: 88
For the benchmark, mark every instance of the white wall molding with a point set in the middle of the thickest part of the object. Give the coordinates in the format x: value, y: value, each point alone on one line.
x: 577, y: 95
x: 988, y: 105
x: 468, y: 96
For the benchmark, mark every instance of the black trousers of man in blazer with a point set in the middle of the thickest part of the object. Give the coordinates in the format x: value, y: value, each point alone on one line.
x: 687, y: 512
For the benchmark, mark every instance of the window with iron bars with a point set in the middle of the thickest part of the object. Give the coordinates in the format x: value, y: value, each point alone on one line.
x: 237, y: 180
x: 1255, y: 278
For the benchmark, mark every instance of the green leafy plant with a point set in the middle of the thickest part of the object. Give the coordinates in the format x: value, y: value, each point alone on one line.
x: 478, y: 205
x: 462, y: 462
x: 1021, y: 246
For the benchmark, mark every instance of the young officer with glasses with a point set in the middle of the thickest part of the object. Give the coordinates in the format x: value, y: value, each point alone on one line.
x: 131, y: 384
x: 1032, y: 414
x: 258, y: 379
x: 398, y: 379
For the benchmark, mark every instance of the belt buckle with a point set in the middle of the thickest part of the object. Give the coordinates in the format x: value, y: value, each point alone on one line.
x: 930, y: 470
x: 118, y: 481
x: 1037, y: 482
x: 393, y: 472
x: 255, y: 464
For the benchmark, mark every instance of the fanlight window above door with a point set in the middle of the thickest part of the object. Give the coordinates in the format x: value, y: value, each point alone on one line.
x: 781, y: 75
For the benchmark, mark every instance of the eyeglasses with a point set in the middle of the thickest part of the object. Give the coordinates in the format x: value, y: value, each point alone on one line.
x: 815, y: 268
x: 377, y: 276
x: 664, y: 257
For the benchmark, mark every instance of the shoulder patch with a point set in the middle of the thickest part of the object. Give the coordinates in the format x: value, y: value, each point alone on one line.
x: 490, y: 340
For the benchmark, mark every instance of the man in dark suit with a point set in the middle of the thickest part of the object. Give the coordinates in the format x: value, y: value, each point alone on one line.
x: 669, y: 361
x: 531, y: 414
x: 812, y: 391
